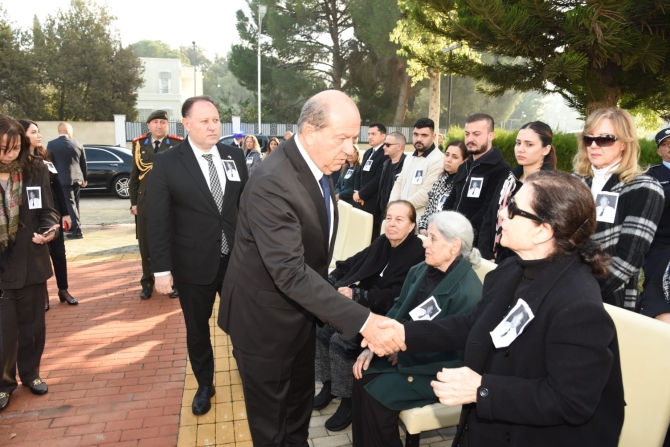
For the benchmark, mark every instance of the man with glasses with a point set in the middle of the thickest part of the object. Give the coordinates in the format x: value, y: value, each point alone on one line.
x: 366, y: 183
x: 476, y: 180
x: 394, y: 149
x: 421, y: 170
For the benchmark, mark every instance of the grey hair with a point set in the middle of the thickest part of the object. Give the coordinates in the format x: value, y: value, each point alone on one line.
x: 452, y: 225
x: 314, y: 112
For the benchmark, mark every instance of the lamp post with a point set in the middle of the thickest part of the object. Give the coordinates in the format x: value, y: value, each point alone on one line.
x: 448, y: 50
x: 195, y: 62
x: 262, y: 9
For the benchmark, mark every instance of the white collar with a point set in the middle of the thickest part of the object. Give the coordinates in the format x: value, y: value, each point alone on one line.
x: 316, y: 172
x: 198, y: 152
x: 604, y: 172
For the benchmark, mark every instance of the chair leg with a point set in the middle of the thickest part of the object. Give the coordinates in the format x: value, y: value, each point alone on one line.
x: 412, y: 440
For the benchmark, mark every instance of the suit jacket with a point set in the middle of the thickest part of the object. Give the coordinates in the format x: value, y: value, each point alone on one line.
x: 367, y: 182
x: 185, y: 223
x: 30, y: 263
x: 275, y: 286
x: 559, y: 383
x: 69, y: 158
x: 143, y: 152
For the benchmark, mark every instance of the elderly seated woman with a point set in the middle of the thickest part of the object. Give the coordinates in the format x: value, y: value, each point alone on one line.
x: 446, y: 283
x: 379, y: 271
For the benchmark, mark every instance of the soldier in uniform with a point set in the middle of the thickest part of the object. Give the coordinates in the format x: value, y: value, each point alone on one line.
x: 144, y: 148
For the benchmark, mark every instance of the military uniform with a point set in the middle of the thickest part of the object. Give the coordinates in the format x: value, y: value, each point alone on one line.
x: 143, y: 157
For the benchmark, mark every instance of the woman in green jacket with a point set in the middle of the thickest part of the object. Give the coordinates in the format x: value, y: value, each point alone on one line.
x: 444, y: 284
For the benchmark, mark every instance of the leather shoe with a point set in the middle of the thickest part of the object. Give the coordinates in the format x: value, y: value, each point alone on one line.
x: 201, y: 401
x: 74, y: 236
x: 4, y: 400
x: 38, y: 387
x: 145, y: 294
x: 324, y: 397
x: 342, y: 417
x: 64, y: 295
x: 174, y: 294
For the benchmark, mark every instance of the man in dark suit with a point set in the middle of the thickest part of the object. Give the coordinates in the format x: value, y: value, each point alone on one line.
x: 144, y: 148
x: 366, y: 184
x: 192, y: 215
x: 70, y: 160
x: 276, y: 288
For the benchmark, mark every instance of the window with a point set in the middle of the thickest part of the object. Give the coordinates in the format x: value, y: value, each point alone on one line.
x: 164, y: 78
x: 100, y: 156
x: 143, y: 114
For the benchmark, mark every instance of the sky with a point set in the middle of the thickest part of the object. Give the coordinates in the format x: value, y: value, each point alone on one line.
x: 210, y: 23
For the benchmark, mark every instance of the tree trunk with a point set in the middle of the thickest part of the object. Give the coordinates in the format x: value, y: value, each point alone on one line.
x: 434, y: 100
x: 403, y: 99
x: 611, y: 99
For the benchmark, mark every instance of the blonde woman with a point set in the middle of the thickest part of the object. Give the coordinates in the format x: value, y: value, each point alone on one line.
x: 252, y: 152
x: 607, y: 161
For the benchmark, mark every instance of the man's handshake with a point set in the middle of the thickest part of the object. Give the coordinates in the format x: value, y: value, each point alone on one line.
x: 383, y: 336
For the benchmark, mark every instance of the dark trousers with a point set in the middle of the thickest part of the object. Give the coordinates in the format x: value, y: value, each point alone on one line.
x: 57, y: 252
x: 71, y: 193
x: 374, y: 425
x: 22, y: 334
x: 279, y: 395
x: 147, y: 279
x: 196, y: 304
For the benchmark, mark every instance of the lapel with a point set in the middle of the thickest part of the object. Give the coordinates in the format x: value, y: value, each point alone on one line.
x: 193, y: 168
x: 306, y: 178
x: 611, y: 182
x: 336, y: 218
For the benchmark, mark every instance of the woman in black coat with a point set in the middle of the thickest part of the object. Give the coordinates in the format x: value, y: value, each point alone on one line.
x: 56, y: 246
x: 558, y: 382
x: 374, y: 279
x: 344, y: 187
x: 26, y: 227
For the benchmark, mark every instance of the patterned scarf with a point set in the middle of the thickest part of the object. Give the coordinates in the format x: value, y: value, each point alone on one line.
x: 10, y: 201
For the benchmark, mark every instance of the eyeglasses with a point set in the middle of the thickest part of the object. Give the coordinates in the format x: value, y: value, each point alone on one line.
x: 389, y: 144
x: 513, y: 210
x: 601, y: 141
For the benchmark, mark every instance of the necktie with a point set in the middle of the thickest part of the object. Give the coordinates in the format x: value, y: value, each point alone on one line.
x: 217, y: 193
x: 325, y: 185
x: 602, y: 212
x: 156, y: 145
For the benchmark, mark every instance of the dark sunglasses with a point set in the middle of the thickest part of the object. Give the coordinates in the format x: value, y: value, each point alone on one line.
x: 389, y: 144
x: 513, y: 210
x: 601, y: 141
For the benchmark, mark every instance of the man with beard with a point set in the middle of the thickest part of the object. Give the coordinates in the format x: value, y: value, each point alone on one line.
x: 476, y: 180
x: 421, y: 170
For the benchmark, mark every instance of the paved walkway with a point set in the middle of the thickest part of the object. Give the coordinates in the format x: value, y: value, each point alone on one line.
x: 117, y: 367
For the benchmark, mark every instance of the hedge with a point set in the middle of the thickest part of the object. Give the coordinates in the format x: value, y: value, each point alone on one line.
x: 565, y: 145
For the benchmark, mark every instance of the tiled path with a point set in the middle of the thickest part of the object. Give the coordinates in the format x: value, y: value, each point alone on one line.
x: 117, y: 367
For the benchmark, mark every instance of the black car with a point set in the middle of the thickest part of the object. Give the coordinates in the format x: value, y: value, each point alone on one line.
x: 108, y: 169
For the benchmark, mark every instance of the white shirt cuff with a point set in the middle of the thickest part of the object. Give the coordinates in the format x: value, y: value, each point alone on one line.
x: 161, y: 273
x: 366, y: 323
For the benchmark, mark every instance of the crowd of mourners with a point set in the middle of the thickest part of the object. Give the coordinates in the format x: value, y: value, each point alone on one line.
x: 531, y: 354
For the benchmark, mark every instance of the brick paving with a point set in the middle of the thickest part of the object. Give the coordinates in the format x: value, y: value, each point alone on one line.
x: 118, y: 372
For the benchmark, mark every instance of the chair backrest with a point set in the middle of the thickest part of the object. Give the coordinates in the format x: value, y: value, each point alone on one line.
x: 359, y: 233
x: 644, y: 345
x: 344, y: 212
x: 483, y: 268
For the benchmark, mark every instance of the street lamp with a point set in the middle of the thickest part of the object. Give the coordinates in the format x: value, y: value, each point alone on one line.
x: 262, y: 9
x: 195, y: 62
x: 448, y: 50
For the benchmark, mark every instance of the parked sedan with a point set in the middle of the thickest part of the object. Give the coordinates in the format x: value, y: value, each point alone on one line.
x: 108, y: 169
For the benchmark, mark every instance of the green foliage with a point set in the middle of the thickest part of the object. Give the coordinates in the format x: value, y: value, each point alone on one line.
x: 157, y: 48
x: 597, y: 53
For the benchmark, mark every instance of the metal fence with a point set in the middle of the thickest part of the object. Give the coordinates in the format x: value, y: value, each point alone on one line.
x: 135, y: 129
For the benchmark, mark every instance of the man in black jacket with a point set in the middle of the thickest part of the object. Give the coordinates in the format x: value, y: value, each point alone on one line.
x: 394, y: 149
x: 476, y: 180
x: 366, y: 184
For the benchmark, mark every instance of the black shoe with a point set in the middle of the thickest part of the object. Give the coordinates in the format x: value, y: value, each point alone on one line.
x: 342, y: 417
x: 38, y: 387
x: 4, y: 400
x: 201, y: 401
x: 74, y: 236
x: 174, y: 294
x: 324, y: 397
x: 145, y: 294
x: 64, y: 295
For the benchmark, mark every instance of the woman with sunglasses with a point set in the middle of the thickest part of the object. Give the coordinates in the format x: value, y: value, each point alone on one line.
x: 533, y: 152
x: 557, y: 380
x: 607, y: 162
x: 454, y: 156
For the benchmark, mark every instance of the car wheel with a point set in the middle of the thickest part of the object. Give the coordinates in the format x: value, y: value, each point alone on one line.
x: 120, y: 186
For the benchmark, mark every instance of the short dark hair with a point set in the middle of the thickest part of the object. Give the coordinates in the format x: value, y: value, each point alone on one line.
x: 481, y: 117
x: 188, y: 104
x: 459, y: 144
x: 546, y: 135
x: 380, y: 126
x: 425, y: 122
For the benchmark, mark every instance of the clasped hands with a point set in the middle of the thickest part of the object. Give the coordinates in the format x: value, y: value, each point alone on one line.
x: 383, y: 336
